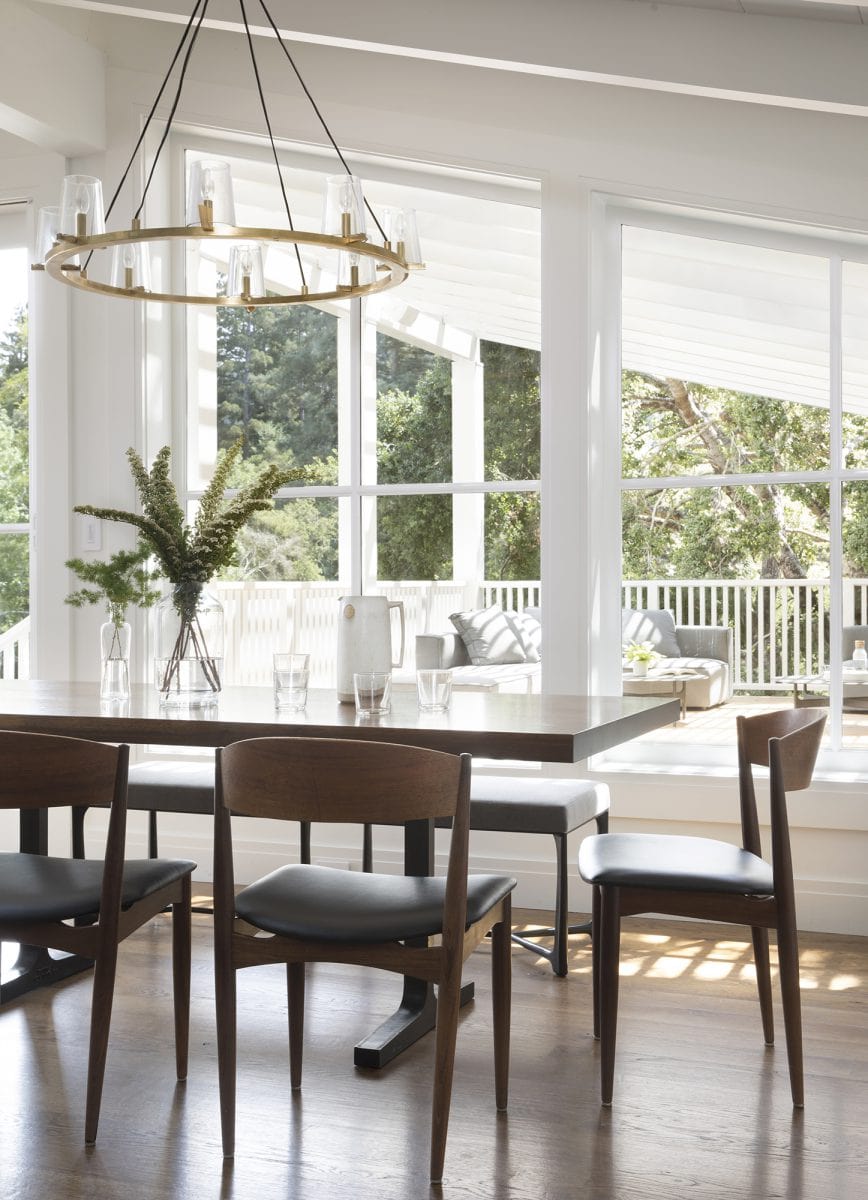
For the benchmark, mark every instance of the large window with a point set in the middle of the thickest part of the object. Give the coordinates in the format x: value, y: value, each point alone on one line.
x: 14, y: 442
x: 744, y: 454
x: 414, y: 415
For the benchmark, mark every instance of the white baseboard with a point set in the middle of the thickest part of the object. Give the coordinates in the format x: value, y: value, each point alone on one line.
x: 824, y: 905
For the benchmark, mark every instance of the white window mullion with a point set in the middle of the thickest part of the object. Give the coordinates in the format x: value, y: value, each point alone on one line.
x: 836, y: 553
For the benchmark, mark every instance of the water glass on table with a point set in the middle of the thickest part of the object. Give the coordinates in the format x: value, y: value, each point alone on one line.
x: 373, y: 691
x: 291, y: 673
x: 434, y: 689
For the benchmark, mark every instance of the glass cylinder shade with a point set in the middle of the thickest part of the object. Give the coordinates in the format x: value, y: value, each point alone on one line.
x: 82, y: 212
x: 412, y: 249
x: 402, y: 234
x: 355, y: 270
x: 246, y: 271
x: 210, y: 198
x: 47, y: 229
x: 131, y: 267
x: 344, y: 210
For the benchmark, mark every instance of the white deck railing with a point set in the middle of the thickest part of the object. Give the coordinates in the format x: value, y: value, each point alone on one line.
x: 780, y: 626
x: 15, y: 651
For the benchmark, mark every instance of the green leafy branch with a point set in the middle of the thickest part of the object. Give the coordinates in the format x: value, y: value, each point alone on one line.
x: 119, y: 582
x: 191, y: 555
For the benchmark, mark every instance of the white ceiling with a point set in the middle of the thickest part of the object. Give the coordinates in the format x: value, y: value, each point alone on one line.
x: 731, y: 321
x: 811, y: 10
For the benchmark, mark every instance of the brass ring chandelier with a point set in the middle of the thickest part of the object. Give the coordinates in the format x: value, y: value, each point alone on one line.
x: 73, y: 236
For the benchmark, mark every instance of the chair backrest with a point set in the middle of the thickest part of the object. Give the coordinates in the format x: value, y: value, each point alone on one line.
x: 787, y: 742
x: 39, y: 770
x: 335, y: 779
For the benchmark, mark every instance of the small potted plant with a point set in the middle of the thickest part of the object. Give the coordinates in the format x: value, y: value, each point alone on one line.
x: 121, y: 581
x: 641, y: 656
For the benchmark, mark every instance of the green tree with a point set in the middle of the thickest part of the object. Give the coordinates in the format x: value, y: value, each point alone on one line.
x: 673, y: 427
x: 277, y: 383
x: 14, y: 472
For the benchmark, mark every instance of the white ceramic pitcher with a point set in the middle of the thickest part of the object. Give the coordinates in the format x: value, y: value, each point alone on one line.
x: 365, y: 639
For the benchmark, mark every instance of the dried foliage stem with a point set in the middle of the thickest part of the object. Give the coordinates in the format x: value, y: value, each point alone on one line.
x: 189, y: 556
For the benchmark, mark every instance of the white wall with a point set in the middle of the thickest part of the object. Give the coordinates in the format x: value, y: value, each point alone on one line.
x: 581, y: 140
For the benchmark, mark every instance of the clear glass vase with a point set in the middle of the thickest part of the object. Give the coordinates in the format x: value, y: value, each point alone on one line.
x: 188, y: 663
x: 114, y: 648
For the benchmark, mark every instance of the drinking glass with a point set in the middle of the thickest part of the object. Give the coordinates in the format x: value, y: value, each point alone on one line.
x: 434, y: 689
x: 291, y: 673
x: 373, y: 691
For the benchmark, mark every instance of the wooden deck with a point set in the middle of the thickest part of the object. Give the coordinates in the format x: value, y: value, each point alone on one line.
x: 716, y: 726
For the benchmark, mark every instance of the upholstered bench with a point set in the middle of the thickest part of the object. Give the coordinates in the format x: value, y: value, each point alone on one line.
x: 188, y: 787
x: 503, y: 804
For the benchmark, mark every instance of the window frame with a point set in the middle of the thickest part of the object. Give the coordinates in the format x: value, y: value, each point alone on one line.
x: 838, y: 248
x: 356, y: 491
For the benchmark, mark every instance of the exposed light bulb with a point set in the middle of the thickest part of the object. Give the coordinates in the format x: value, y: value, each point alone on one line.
x: 207, y: 184
x: 82, y: 208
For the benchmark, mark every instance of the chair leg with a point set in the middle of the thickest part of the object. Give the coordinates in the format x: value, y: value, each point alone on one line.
x: 595, y: 958
x: 448, y: 1005
x: 501, y: 992
x: 764, y: 982
x: 225, y: 1003
x: 295, y: 1000
x: 788, y: 957
x: 100, y: 1020
x: 181, y: 938
x: 609, y: 955
x: 559, y: 948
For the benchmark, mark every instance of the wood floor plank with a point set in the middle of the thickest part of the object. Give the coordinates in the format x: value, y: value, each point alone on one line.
x: 702, y: 1107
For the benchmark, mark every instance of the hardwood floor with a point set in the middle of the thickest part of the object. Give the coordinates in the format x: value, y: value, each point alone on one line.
x: 701, y: 1108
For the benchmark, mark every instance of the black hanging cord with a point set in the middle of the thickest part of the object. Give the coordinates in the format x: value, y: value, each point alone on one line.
x: 157, y: 100
x: 271, y: 137
x: 315, y: 108
x: 176, y: 101
x: 150, y: 116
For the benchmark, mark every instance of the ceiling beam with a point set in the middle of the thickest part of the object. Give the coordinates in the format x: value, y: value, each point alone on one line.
x: 67, y: 117
x: 736, y: 56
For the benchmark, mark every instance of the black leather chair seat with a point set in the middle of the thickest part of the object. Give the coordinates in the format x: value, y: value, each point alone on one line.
x: 327, y: 904
x: 674, y: 863
x: 42, y: 888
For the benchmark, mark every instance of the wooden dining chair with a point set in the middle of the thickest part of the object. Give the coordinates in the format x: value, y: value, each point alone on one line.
x: 88, y: 906
x: 635, y: 873
x: 322, y: 914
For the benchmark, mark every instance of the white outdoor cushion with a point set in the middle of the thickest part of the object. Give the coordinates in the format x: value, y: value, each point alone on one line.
x: 488, y: 636
x: 528, y: 630
x: 654, y: 625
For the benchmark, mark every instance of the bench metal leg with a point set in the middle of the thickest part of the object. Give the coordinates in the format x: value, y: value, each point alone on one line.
x: 556, y: 954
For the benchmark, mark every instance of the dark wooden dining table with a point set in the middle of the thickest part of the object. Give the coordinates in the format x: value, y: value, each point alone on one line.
x: 552, y: 729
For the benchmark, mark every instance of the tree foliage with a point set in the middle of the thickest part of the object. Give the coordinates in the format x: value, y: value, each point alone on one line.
x: 14, y: 472
x: 671, y: 427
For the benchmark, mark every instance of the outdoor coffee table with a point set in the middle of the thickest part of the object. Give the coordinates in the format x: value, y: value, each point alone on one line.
x: 667, y: 683
x: 802, y: 696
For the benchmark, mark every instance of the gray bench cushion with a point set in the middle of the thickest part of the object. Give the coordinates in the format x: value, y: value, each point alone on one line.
x: 501, y: 804
x: 184, y: 787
